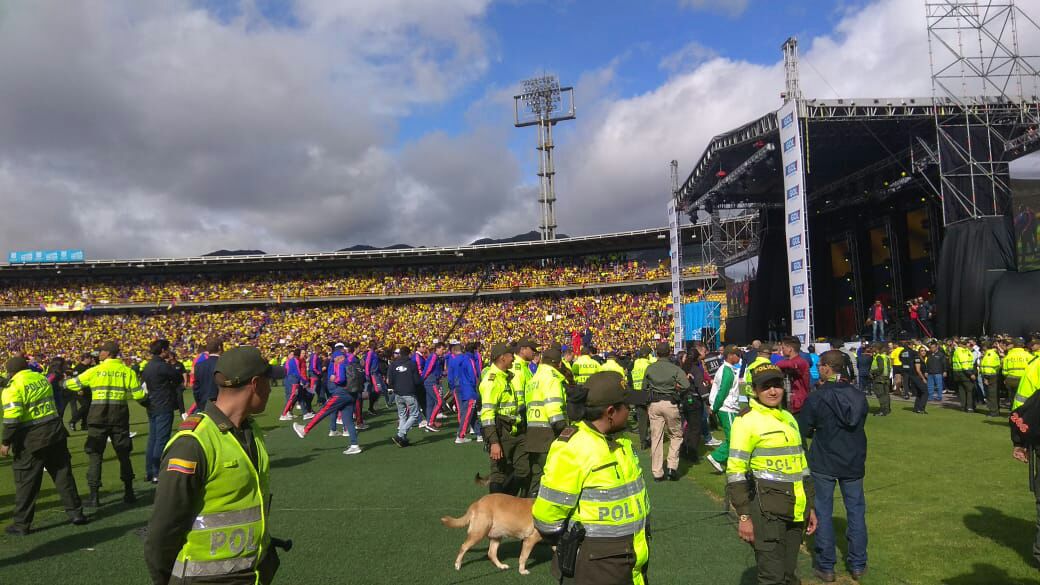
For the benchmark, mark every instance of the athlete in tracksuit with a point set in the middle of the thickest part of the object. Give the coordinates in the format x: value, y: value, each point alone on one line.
x: 315, y: 370
x: 340, y: 403
x: 191, y: 381
x: 466, y: 396
x: 296, y: 391
x: 431, y: 369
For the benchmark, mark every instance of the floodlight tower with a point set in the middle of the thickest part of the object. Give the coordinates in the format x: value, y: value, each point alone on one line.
x: 543, y: 103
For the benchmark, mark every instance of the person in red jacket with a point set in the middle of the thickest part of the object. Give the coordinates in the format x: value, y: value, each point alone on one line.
x: 796, y: 369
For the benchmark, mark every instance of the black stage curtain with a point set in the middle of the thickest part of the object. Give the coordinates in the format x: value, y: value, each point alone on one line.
x: 770, y: 295
x: 974, y: 252
x: 1013, y: 304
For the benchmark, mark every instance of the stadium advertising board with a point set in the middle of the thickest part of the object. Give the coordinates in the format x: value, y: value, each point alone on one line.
x: 45, y: 256
x: 797, y: 227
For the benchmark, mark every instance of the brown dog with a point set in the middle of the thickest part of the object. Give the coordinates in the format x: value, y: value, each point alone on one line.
x: 497, y: 516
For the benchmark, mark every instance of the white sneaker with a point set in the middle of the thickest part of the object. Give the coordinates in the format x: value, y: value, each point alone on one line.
x: 133, y: 434
x: 184, y: 416
x: 712, y: 443
x: 308, y: 416
x: 430, y: 429
x: 715, y: 464
x: 353, y: 450
x: 286, y: 417
x: 298, y: 407
x: 423, y: 424
x: 300, y: 429
x: 480, y: 439
x: 335, y: 434
x: 441, y: 416
x: 361, y: 427
x: 461, y: 440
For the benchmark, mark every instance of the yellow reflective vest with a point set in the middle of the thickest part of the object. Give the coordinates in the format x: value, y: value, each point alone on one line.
x: 989, y: 365
x: 611, y: 365
x: 584, y: 367
x: 595, y: 480
x: 112, y: 385
x: 28, y: 400
x: 639, y: 372
x: 766, y: 447
x: 521, y: 377
x: 1015, y: 362
x: 497, y: 401
x: 1027, y: 384
x: 545, y: 397
x: 963, y: 360
x: 229, y: 534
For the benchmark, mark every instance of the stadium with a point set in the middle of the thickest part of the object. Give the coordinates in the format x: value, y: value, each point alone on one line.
x: 786, y: 231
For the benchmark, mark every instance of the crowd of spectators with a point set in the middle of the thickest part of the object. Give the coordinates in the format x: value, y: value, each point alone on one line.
x: 616, y: 321
x: 322, y: 284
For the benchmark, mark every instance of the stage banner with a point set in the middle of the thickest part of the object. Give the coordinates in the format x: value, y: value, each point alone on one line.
x: 797, y: 222
x: 700, y: 316
x: 675, y: 260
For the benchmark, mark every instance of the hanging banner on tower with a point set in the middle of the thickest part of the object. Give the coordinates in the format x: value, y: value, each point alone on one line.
x: 796, y: 222
x: 675, y: 260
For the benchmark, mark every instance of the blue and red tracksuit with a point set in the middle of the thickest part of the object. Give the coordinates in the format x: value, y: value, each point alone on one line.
x: 341, y: 402
x: 431, y: 369
x: 191, y: 381
x: 295, y: 389
x: 466, y: 395
x: 314, y: 371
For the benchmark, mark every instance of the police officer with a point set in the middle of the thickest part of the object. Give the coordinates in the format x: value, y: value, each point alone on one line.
x: 611, y: 365
x: 33, y: 431
x: 989, y: 369
x: 768, y: 481
x: 962, y: 364
x: 526, y: 350
x: 639, y: 367
x: 545, y: 398
x: 593, y: 486
x: 1014, y: 366
x: 584, y: 366
x: 1026, y: 386
x: 210, y: 521
x: 500, y: 422
x: 111, y: 385
x: 880, y: 376
x: 664, y: 382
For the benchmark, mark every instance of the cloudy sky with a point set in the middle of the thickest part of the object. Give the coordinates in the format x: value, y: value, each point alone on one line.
x: 142, y: 129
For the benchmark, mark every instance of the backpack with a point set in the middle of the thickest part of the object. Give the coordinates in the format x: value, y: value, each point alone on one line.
x: 355, y: 377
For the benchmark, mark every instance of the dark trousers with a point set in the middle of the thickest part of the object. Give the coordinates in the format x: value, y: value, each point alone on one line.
x: 80, y: 408
x: 882, y: 387
x: 510, y: 473
x: 160, y: 425
x: 28, y: 470
x: 643, y: 426
x: 776, y: 548
x: 536, y: 462
x: 920, y: 388
x: 992, y: 393
x: 97, y: 441
x: 693, y: 416
x: 965, y: 388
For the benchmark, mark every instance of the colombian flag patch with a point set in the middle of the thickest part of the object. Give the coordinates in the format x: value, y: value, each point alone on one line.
x: 181, y: 466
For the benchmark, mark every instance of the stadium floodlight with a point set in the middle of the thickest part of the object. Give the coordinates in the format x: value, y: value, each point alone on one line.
x: 544, y: 103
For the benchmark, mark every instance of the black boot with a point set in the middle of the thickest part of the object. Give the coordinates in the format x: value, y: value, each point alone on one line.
x: 79, y: 519
x: 128, y: 492
x: 93, y: 501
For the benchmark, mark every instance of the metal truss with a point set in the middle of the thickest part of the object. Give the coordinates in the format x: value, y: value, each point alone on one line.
x: 748, y: 133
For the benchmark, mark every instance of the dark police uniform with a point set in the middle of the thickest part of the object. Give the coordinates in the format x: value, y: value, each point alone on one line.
x: 37, y: 437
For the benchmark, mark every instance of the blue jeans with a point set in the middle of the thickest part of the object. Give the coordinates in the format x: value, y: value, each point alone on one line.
x: 879, y: 326
x: 342, y: 404
x: 705, y: 426
x: 855, y: 514
x: 935, y: 386
x: 407, y: 414
x: 160, y: 424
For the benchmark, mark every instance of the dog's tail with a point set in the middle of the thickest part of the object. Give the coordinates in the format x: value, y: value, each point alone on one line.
x: 462, y: 522
x: 481, y: 480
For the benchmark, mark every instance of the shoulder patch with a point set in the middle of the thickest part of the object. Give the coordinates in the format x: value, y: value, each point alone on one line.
x: 567, y: 433
x: 491, y: 376
x: 181, y: 466
x: 190, y: 423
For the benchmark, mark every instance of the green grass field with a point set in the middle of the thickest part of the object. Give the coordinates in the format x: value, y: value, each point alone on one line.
x: 946, y: 504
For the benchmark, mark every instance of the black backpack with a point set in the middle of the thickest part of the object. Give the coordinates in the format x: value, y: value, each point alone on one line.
x: 355, y: 377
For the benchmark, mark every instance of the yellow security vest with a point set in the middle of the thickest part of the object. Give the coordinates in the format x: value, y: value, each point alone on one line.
x: 1015, y: 362
x: 765, y: 443
x: 111, y: 386
x: 881, y: 365
x: 584, y: 367
x: 497, y: 398
x: 546, y: 395
x: 521, y: 377
x: 28, y: 400
x: 1027, y: 384
x: 611, y: 365
x: 963, y: 360
x: 989, y: 365
x: 639, y: 372
x: 230, y: 532
x: 595, y: 480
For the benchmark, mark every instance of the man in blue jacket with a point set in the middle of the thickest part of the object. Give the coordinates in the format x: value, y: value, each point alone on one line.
x: 431, y: 369
x: 466, y: 396
x: 833, y: 417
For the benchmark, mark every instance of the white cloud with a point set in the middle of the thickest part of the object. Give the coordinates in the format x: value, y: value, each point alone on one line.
x: 687, y: 58
x: 728, y: 7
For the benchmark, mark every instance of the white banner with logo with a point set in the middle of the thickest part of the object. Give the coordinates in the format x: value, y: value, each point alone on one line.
x: 797, y: 222
x: 675, y: 260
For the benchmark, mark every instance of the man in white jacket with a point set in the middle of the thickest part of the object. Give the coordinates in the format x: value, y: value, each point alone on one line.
x: 723, y: 401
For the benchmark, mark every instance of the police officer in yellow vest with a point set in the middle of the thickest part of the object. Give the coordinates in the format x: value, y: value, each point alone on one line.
x: 764, y: 352
x: 33, y: 431
x: 643, y: 361
x: 525, y: 352
x: 584, y: 366
x: 593, y: 493
x: 500, y: 419
x: 768, y: 481
x: 962, y: 364
x: 112, y: 385
x: 611, y: 365
x: 210, y: 521
x: 989, y: 369
x: 1014, y: 365
x: 880, y: 376
x: 1027, y: 385
x: 545, y: 399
